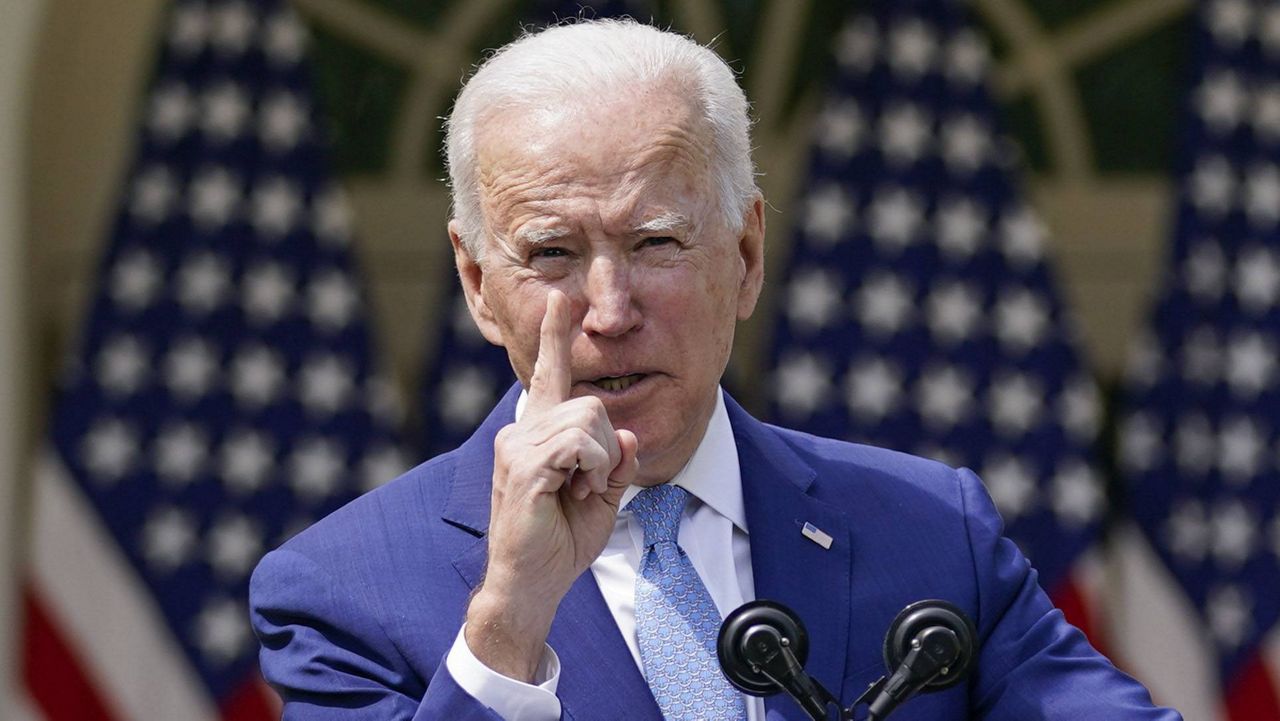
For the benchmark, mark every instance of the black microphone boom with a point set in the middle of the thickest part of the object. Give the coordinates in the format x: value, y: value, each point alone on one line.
x: 929, y: 647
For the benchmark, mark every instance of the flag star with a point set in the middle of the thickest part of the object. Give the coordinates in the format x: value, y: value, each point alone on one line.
x: 1021, y: 319
x: 1212, y: 185
x: 190, y: 368
x: 1269, y: 30
x: 828, y: 214
x: 1257, y: 281
x: 1221, y: 100
x: 1205, y: 270
x: 152, y: 195
x: 1194, y: 444
x: 214, y: 198
x: 109, y: 449
x: 1202, y: 356
x: 203, y: 283
x: 383, y: 399
x: 1241, y: 444
x: 941, y: 454
x: 814, y: 298
x: 1145, y: 363
x: 276, y: 205
x: 188, y: 28
x: 839, y: 128
x: 315, y: 467
x: 332, y: 300
x: 857, y: 45
x: 170, y: 112
x: 234, y: 545
x: 122, y: 365
x: 1262, y: 196
x: 332, y: 218
x: 954, y: 310
x: 872, y: 388
x: 1275, y: 536
x: 282, y: 121
x: 911, y: 49
x: 135, y: 278
x: 966, y: 144
x: 1230, y: 614
x: 464, y: 326
x: 1140, y: 443
x: 325, y: 384
x: 467, y: 394
x: 904, y: 133
x: 1077, y: 495
x: 966, y: 58
x: 1079, y: 409
x: 247, y: 456
x: 168, y: 539
x: 180, y: 451
x: 1229, y: 21
x: 285, y: 38
x: 257, y: 374
x: 224, y: 110
x: 233, y: 26
x: 1187, y: 532
x: 1012, y: 485
x: 381, y: 464
x: 1234, y: 534
x: 1014, y: 404
x: 222, y: 632
x: 1022, y: 237
x: 961, y: 225
x: 1266, y: 112
x: 884, y: 303
x: 896, y: 215
x: 944, y: 395
x: 1251, y: 364
x: 268, y: 292
x: 803, y: 384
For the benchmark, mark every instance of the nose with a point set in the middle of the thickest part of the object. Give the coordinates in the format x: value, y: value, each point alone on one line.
x: 611, y: 307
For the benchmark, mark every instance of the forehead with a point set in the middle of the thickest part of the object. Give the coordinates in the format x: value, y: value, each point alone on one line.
x: 632, y: 150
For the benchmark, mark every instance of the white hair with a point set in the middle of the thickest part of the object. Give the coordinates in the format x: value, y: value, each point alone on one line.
x: 577, y: 63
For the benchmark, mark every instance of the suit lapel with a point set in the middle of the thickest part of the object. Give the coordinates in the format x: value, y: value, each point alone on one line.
x: 787, y: 566
x: 598, y: 676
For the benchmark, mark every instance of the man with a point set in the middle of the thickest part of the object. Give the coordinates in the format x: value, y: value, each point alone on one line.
x: 608, y: 233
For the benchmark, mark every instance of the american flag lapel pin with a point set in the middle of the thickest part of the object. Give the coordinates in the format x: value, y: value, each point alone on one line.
x: 817, y: 535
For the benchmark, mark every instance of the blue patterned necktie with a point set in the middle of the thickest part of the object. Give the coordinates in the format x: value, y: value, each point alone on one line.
x: 676, y: 620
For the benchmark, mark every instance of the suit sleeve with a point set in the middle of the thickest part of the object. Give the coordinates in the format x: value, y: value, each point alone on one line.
x: 1033, y: 665
x: 330, y: 659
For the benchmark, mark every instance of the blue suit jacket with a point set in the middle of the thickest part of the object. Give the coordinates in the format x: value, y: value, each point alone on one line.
x: 357, y: 613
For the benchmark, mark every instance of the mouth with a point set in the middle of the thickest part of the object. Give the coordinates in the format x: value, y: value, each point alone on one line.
x: 616, y: 384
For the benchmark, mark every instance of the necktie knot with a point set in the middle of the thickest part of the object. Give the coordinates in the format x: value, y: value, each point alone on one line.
x: 658, y: 510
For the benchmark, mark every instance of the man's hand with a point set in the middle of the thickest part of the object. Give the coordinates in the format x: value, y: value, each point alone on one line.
x: 558, y: 477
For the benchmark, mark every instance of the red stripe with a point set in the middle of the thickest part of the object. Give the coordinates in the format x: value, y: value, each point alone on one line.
x: 1251, y: 696
x: 253, y: 700
x: 1069, y: 597
x: 57, y: 681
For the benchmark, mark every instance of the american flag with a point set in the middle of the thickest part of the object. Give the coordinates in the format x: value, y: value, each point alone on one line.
x: 918, y: 310
x: 1202, y: 411
x: 222, y: 396
x: 465, y: 375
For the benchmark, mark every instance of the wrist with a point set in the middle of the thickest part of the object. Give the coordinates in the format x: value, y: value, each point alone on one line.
x: 508, y: 633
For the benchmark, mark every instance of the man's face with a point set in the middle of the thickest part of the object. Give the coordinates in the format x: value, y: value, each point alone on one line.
x: 614, y: 206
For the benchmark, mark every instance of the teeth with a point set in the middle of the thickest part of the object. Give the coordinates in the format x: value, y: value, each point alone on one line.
x: 618, y: 384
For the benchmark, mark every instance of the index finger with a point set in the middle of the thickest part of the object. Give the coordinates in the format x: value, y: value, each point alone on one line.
x: 552, y: 379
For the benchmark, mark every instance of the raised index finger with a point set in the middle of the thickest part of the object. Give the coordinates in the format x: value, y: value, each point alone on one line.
x: 552, y: 379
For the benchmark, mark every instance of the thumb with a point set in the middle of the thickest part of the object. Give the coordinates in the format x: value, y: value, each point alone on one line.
x: 624, y: 474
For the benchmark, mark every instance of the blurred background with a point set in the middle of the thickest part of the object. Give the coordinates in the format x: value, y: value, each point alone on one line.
x: 1032, y: 237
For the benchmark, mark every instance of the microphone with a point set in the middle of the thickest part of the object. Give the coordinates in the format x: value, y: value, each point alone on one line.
x: 762, y: 649
x: 929, y: 647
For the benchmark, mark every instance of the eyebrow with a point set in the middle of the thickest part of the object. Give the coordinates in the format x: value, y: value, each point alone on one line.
x: 666, y: 222
x: 540, y: 236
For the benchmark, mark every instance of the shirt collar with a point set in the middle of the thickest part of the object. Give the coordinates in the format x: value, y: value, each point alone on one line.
x: 712, y: 474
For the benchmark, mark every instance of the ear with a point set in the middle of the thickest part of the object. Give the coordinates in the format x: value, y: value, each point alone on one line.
x: 471, y: 274
x: 751, y: 253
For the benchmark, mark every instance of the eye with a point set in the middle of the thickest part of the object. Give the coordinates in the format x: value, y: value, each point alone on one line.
x: 657, y: 240
x: 548, y: 253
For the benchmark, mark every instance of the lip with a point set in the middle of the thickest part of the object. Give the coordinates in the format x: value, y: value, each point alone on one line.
x: 641, y: 381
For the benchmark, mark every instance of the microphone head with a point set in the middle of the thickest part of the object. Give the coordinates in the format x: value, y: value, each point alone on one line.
x: 921, y: 616
x: 748, y: 621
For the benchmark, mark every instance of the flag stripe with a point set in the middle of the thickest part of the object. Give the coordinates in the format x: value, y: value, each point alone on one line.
x: 1251, y: 695
x: 54, y: 676
x: 73, y: 552
x: 252, y: 701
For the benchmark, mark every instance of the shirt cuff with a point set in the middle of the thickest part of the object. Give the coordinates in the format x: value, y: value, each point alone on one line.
x: 512, y: 700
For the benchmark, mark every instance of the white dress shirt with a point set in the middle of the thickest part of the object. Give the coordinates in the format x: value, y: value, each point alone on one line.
x: 713, y: 533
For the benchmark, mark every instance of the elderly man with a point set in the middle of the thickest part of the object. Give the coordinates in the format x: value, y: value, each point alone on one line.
x: 574, y: 558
